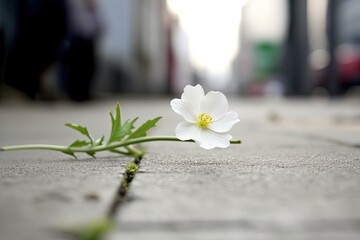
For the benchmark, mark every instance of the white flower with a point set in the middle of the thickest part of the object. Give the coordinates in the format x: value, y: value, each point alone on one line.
x: 207, y: 121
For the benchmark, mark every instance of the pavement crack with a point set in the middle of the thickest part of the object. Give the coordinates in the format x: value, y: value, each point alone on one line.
x: 98, y: 228
x: 326, y: 139
x: 121, y: 192
x: 331, y: 140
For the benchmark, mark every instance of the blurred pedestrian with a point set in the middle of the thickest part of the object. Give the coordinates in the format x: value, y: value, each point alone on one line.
x: 38, y: 33
x: 79, y: 60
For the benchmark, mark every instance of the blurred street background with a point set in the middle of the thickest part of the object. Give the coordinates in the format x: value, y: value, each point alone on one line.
x: 78, y: 49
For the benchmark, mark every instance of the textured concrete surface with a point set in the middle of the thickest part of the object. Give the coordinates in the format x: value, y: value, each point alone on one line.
x: 296, y: 175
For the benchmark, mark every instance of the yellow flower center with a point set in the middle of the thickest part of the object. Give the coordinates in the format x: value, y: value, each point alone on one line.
x: 204, y: 120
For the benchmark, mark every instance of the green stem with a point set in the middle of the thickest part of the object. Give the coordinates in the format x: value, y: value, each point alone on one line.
x: 138, y: 154
x: 34, y: 147
x: 100, y: 148
x: 120, y: 152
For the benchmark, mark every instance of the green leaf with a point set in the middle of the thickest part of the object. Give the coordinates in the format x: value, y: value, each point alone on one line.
x: 123, y: 130
x: 115, y: 124
x: 128, y: 126
x: 91, y: 153
x: 69, y: 152
x: 142, y: 130
x: 79, y: 143
x: 83, y: 130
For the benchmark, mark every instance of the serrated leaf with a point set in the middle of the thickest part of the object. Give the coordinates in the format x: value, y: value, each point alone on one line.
x: 128, y: 126
x: 69, y: 152
x: 83, y: 130
x: 115, y: 124
x: 124, y: 130
x: 79, y: 143
x: 91, y: 153
x: 142, y: 130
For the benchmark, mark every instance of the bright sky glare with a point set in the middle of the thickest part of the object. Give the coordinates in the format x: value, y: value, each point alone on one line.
x: 212, y: 27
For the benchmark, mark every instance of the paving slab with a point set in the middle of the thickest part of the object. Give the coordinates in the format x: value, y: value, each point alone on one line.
x: 295, y: 176
x: 286, y: 188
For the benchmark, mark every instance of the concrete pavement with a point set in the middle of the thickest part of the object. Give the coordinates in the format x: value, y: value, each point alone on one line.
x: 296, y: 175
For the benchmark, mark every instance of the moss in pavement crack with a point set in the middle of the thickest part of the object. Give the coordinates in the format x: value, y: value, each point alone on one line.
x: 130, y: 172
x: 96, y: 230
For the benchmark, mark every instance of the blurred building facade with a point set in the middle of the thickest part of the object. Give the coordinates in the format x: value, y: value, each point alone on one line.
x: 256, y: 67
x: 133, y: 50
x: 276, y: 47
x: 302, y: 48
x: 144, y: 49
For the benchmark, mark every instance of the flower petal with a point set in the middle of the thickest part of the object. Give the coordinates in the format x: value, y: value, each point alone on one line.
x: 215, y: 104
x: 225, y: 123
x: 184, y: 108
x: 188, y: 131
x: 176, y: 105
x: 194, y: 95
x: 210, y: 139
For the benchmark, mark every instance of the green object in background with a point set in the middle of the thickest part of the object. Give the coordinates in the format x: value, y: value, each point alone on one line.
x: 266, y: 58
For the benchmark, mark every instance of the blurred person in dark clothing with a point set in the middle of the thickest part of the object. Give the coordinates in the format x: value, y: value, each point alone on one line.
x: 39, y: 32
x: 79, y: 60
